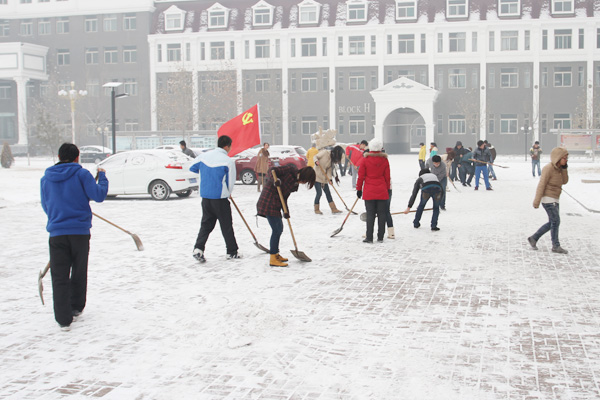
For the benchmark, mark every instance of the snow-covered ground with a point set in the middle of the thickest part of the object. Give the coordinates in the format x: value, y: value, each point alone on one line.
x: 468, y: 312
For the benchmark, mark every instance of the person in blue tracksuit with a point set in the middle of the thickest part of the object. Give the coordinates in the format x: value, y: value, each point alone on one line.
x: 66, y: 190
x: 217, y: 179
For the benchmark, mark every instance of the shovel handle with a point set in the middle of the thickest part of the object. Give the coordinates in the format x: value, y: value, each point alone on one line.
x: 115, y: 225
x: 411, y: 211
x: 243, y: 219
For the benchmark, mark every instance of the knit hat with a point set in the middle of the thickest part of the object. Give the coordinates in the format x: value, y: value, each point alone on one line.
x: 375, y: 145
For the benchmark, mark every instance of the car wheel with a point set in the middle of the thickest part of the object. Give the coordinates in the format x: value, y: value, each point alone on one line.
x: 97, y: 160
x: 159, y: 190
x: 186, y: 193
x: 247, y: 177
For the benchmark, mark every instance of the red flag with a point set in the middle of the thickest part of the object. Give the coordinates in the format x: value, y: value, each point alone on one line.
x: 244, y: 130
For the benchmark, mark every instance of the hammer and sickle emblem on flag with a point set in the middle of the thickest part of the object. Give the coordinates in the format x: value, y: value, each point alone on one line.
x: 247, y: 118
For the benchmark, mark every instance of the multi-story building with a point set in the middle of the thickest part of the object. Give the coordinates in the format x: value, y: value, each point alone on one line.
x: 404, y: 70
x: 80, y: 45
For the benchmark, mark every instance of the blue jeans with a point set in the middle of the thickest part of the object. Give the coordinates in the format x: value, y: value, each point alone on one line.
x: 479, y: 170
x: 276, y: 231
x: 436, y: 194
x: 535, y: 163
x: 325, y: 187
x: 491, y: 171
x: 551, y: 225
x: 444, y: 183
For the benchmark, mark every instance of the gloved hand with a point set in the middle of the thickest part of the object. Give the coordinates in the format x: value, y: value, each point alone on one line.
x: 359, y: 193
x: 286, y: 215
x: 565, y: 166
x: 277, y: 183
x: 390, y: 192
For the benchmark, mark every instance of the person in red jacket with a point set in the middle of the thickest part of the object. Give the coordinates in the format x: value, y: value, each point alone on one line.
x: 354, y: 153
x: 373, y: 186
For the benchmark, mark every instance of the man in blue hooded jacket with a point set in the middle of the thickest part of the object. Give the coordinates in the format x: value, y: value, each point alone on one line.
x: 66, y: 190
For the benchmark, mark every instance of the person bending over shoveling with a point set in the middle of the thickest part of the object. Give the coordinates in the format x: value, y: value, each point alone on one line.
x: 430, y: 187
x: 269, y: 203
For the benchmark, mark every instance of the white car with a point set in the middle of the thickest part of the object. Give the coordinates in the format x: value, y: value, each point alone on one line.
x: 155, y: 172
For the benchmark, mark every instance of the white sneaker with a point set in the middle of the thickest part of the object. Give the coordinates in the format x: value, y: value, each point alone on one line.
x: 391, y: 234
x: 199, y: 255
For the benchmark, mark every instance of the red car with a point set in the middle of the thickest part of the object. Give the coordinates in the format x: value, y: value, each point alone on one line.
x: 278, y: 155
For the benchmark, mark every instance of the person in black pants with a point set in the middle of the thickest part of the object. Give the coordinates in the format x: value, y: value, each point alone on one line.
x: 66, y: 190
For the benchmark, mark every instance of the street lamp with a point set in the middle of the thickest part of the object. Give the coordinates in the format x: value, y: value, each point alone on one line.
x: 525, y: 129
x: 102, y: 132
x: 73, y: 96
x: 113, y: 96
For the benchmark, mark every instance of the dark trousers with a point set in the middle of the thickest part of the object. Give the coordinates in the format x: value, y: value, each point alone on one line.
x: 325, y: 187
x: 453, y: 171
x: 464, y: 170
x: 214, y: 210
x: 388, y: 219
x: 276, y: 231
x: 434, y: 193
x: 380, y: 209
x: 552, y: 224
x: 444, y: 183
x: 422, y: 164
x: 68, y: 267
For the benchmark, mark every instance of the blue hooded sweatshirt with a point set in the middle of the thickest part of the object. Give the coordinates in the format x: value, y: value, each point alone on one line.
x: 66, y: 190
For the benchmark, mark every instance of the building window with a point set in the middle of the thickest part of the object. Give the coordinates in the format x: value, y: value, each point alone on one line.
x: 509, y: 8
x: 217, y: 19
x: 457, y: 78
x: 111, y: 55
x: 308, y: 13
x: 25, y: 1
x: 406, y: 44
x: 562, y: 76
x: 27, y: 28
x: 262, y: 15
x: 110, y: 23
x: 440, y: 124
x: 130, y: 87
x: 508, y: 123
x: 129, y: 22
x: 309, y: 82
x: 581, y: 76
x: 4, y: 28
x: 325, y: 81
x: 309, y: 125
x: 93, y: 87
x: 262, y: 83
x: 277, y: 48
x: 423, y: 43
x: 91, y: 56
x: 62, y: 25
x: 340, y: 81
x: 474, y: 78
x: 232, y: 50
x: 527, y: 78
x: 562, y: 6
x: 598, y: 38
x: 492, y: 41
x: 91, y: 24
x: 491, y: 124
x: 389, y: 44
x: 44, y: 27
x: 527, y: 44
x: 457, y: 124
x: 188, y: 52
x: 509, y: 40
x: 545, y: 39
x: 509, y: 77
x: 356, y: 81
x: 457, y: 42
x: 247, y: 49
x: 545, y: 77
x: 357, y: 11
x: 373, y: 80
x: 357, y: 125
x: 5, y: 92
x: 562, y: 38
x: 474, y: 42
x: 130, y: 54
x: 407, y: 73
x: 439, y: 77
x: 456, y: 8
x: 63, y: 57
x: 373, y: 44
x: 293, y: 80
x: 581, y: 38
x: 324, y: 47
x: 173, y: 52
x: 261, y: 49
x: 293, y: 48
x: 562, y: 121
x: 173, y: 22
x: 356, y: 45
x: 491, y: 78
x: 217, y: 50
x: 309, y: 47
x: 406, y: 9
x: 440, y: 43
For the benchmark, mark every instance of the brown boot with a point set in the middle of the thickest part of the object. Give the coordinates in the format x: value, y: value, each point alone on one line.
x: 317, y: 211
x: 281, y: 258
x: 276, y: 262
x: 334, y: 209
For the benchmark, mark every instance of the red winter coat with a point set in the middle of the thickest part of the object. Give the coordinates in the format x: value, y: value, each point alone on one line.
x: 374, y: 176
x: 355, y: 153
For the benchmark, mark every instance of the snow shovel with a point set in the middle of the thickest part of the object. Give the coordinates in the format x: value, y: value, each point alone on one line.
x: 338, y: 193
x: 349, y: 212
x: 136, y: 239
x: 452, y: 182
x: 483, y: 162
x: 263, y: 248
x: 296, y: 253
x: 363, y: 216
x: 40, y: 284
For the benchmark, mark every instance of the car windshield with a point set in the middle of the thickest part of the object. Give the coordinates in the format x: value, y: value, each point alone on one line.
x: 177, y: 156
x: 300, y: 150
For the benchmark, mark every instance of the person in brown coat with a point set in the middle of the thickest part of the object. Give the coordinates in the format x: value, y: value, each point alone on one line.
x: 262, y: 166
x: 554, y: 175
x: 325, y: 161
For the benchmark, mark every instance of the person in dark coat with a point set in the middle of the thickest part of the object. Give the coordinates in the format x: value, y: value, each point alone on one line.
x: 465, y: 167
x: 373, y: 186
x: 66, y: 190
x: 430, y: 188
x: 482, y: 156
x: 459, y: 151
x: 269, y: 203
x: 186, y: 150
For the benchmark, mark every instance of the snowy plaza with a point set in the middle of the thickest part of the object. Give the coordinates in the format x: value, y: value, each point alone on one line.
x: 469, y: 312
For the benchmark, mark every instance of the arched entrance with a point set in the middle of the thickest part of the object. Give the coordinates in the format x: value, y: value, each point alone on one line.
x: 404, y: 114
x: 403, y: 129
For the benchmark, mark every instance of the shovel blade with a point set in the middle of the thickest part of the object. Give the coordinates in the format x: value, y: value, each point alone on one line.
x: 261, y: 247
x: 338, y: 230
x: 363, y: 217
x: 300, y: 255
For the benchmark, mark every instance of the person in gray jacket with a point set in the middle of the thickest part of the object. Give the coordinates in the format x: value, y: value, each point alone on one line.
x: 439, y: 169
x: 482, y: 156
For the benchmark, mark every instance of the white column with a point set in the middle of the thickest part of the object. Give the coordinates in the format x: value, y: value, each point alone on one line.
x: 285, y: 115
x: 195, y: 99
x: 153, y: 56
x: 22, y: 109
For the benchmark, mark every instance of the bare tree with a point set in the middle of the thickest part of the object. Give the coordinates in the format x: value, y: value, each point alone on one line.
x: 175, y: 101
x: 469, y: 106
x: 584, y: 113
x: 217, y: 96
